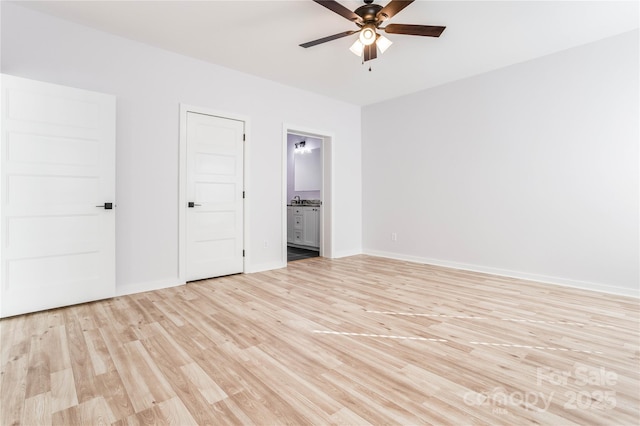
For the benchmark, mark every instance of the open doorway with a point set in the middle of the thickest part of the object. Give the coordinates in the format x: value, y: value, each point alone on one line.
x: 304, y: 196
x: 307, y: 194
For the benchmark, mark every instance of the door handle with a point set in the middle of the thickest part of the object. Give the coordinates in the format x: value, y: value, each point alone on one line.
x: 107, y: 206
x: 192, y: 204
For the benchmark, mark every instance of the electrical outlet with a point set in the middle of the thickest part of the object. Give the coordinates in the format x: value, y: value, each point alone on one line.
x: 394, y: 236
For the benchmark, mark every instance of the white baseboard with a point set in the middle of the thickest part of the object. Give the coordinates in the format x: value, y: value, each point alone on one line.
x: 346, y: 253
x: 265, y: 267
x: 583, y: 285
x: 147, y: 286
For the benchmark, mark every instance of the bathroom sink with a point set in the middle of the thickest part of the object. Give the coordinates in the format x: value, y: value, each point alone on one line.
x: 309, y: 203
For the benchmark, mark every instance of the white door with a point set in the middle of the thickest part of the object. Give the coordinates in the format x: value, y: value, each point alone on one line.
x: 214, y: 217
x: 58, y: 166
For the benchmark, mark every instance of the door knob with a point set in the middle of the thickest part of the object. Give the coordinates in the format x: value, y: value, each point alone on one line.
x: 107, y: 206
x: 192, y: 204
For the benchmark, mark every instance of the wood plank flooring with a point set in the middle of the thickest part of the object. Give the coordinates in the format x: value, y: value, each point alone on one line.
x: 359, y: 340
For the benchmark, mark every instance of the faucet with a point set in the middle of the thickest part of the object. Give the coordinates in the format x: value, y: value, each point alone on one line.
x: 296, y: 199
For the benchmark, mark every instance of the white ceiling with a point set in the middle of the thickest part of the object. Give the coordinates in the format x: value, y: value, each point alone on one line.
x: 262, y: 38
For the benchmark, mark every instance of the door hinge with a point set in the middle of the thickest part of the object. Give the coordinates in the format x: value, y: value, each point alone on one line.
x: 242, y: 253
x: 244, y: 137
x: 242, y: 194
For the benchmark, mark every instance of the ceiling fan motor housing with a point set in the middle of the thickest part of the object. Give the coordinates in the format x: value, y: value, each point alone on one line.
x: 368, y: 13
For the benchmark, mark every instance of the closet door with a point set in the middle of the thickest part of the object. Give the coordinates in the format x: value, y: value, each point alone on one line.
x: 215, y: 184
x: 58, y: 196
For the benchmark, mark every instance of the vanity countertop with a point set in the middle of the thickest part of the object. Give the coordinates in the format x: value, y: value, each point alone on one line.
x: 303, y: 205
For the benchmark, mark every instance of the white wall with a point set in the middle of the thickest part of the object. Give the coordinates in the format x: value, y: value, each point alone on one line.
x: 150, y: 84
x: 529, y: 171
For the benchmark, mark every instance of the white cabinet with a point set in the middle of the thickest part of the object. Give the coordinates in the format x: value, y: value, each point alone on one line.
x: 298, y: 225
x: 289, y: 224
x: 311, y: 226
x: 303, y: 226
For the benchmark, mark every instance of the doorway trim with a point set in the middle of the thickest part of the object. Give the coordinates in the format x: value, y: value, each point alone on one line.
x: 326, y: 209
x: 182, y: 182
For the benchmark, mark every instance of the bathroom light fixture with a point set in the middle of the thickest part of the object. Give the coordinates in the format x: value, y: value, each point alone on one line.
x: 301, y: 148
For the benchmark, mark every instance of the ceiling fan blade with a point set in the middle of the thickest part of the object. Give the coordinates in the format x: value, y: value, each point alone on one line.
x: 391, y: 9
x: 419, y: 30
x: 336, y: 7
x: 370, y: 52
x: 328, y: 38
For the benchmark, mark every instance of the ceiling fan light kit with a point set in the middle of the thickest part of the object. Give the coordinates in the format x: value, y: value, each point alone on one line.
x: 357, y: 47
x: 368, y: 34
x: 368, y: 18
x: 383, y: 43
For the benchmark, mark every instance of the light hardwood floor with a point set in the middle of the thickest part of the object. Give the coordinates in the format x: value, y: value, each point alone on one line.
x: 350, y: 341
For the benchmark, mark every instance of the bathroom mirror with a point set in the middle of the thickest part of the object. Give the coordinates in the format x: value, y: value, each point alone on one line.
x: 308, y: 171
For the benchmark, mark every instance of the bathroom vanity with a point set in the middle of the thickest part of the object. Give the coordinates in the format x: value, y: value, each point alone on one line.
x: 303, y: 225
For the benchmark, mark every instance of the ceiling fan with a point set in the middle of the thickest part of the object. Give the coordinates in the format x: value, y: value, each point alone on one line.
x: 369, y: 18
